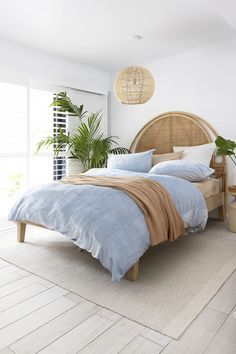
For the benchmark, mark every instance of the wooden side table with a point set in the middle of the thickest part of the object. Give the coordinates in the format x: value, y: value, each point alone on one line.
x: 232, y: 210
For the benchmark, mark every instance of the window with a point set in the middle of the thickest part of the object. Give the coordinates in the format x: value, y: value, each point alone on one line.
x: 13, y: 143
x: 26, y: 119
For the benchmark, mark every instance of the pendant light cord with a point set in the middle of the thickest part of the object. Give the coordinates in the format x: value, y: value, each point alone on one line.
x: 134, y: 39
x: 134, y: 57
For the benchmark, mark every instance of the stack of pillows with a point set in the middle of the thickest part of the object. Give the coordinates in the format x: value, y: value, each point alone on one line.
x: 191, y: 163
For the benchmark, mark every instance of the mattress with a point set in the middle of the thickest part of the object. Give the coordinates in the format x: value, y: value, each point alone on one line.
x: 209, y: 187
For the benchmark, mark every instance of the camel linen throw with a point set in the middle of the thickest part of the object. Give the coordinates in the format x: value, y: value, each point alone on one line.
x: 163, y: 220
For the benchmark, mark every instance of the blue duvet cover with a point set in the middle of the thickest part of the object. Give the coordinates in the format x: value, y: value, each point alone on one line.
x: 106, y: 221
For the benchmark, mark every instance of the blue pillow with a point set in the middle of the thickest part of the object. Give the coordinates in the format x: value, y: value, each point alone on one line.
x: 138, y: 162
x: 193, y: 172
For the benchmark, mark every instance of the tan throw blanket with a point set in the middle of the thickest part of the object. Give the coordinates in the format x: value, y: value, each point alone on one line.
x: 162, y: 218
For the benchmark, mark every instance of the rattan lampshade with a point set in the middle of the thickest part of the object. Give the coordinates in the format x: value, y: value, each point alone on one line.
x: 134, y: 85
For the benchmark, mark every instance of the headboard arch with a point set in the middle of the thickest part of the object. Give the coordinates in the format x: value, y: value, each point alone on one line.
x: 173, y: 129
x: 178, y: 129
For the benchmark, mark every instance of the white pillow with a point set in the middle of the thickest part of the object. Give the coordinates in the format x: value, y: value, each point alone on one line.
x: 198, y: 153
x: 193, y: 172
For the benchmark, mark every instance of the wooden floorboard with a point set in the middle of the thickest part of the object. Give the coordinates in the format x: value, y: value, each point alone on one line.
x: 80, y: 336
x: 141, y: 345
x: 17, y: 285
x: 115, y: 338
x: 155, y: 337
x: 8, y: 275
x: 36, y: 316
x: 20, y: 295
x: 30, y: 305
x: 3, y: 263
x: 199, y: 334
x: 224, y: 342
x: 6, y: 351
x: 27, y: 324
x: 225, y: 299
x: 53, y: 330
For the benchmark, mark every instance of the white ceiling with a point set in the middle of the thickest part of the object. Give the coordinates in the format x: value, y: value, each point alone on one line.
x: 95, y: 32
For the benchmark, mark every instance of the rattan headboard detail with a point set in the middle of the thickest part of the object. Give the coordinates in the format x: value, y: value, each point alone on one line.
x: 177, y: 129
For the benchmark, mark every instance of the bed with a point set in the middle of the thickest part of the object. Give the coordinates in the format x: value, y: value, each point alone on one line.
x: 184, y: 129
x: 209, y: 188
x: 162, y: 133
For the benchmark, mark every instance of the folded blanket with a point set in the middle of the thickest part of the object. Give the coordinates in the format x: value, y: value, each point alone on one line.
x: 162, y: 218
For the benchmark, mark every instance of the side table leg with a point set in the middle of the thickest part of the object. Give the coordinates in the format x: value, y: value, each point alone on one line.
x: 232, y: 216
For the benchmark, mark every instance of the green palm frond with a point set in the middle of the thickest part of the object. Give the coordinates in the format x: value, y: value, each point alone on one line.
x: 59, y: 142
x: 119, y: 150
x: 87, y: 142
x: 64, y: 104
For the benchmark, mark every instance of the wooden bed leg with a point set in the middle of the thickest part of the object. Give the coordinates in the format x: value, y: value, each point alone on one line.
x: 133, y: 272
x: 222, y: 213
x: 21, y: 231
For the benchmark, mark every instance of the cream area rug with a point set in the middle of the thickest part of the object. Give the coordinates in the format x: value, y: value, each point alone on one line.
x: 176, y: 281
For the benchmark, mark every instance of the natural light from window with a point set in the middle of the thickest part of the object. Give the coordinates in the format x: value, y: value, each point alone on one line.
x: 25, y: 119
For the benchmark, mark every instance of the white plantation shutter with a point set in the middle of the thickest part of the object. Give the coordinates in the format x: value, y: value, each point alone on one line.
x: 59, y: 162
x: 45, y: 121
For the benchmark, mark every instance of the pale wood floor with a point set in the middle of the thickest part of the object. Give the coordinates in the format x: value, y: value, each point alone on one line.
x: 38, y: 316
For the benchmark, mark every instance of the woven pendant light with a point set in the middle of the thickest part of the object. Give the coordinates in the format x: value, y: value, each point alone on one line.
x: 135, y: 84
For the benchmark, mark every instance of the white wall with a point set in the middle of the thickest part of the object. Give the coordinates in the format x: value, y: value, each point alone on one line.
x: 18, y: 61
x: 203, y: 83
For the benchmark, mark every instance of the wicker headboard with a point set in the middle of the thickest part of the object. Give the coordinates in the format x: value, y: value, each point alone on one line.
x: 178, y: 129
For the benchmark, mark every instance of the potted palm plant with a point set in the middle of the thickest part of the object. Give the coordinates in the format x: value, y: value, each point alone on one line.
x: 87, y: 143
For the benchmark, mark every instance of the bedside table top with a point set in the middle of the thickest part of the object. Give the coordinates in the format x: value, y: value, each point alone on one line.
x: 232, y: 190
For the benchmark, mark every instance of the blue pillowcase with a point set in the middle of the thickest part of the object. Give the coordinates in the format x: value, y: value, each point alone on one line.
x: 137, y: 162
x: 193, y: 172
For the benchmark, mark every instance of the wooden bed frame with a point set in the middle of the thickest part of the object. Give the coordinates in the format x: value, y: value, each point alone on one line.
x: 162, y: 133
